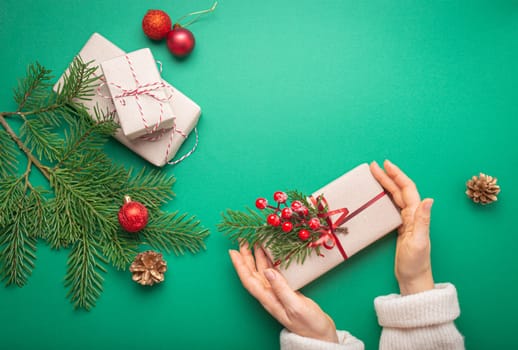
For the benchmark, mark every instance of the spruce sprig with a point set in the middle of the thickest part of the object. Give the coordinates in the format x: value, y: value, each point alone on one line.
x: 284, y: 247
x: 78, y: 208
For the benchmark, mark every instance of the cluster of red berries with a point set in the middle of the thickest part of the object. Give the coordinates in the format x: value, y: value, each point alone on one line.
x: 295, y: 215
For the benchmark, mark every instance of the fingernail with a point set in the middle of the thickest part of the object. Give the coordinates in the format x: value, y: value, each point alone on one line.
x: 428, y: 204
x: 388, y: 162
x: 269, y: 274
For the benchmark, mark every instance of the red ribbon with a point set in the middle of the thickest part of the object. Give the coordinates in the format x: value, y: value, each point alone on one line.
x: 328, y: 237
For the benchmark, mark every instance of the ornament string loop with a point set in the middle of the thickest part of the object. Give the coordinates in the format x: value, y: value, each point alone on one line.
x: 198, y: 14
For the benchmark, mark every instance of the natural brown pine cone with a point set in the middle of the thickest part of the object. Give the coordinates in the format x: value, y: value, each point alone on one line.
x: 148, y: 268
x: 482, y: 189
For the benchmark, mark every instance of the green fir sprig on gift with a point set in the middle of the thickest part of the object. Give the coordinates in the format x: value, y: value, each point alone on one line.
x: 290, y: 232
x: 77, y: 208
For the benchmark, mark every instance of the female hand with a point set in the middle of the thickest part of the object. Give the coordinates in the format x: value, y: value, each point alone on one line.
x: 293, y: 310
x: 413, y: 265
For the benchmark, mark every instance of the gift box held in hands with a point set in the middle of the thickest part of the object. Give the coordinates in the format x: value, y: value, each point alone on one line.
x: 363, y: 208
x: 160, y: 150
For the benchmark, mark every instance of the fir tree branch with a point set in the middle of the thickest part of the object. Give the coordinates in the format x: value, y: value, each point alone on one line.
x: 36, y: 80
x: 174, y: 232
x: 17, y: 247
x: 84, y: 274
x: 8, y: 160
x: 150, y: 187
x: 85, y: 188
x: 43, y: 169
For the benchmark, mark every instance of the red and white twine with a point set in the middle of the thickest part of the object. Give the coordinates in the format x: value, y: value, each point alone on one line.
x: 154, y: 133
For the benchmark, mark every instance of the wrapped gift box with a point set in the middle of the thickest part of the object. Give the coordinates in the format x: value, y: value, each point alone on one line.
x: 139, y: 94
x: 98, y: 49
x: 371, y: 216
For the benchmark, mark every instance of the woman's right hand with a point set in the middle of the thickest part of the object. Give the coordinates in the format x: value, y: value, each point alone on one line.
x: 413, y: 266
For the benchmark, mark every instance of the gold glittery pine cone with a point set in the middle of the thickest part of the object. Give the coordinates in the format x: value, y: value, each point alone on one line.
x: 482, y: 189
x: 148, y: 268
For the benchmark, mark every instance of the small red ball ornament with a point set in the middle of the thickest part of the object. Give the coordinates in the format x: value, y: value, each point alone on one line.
x: 261, y: 203
x: 314, y: 224
x: 180, y: 41
x: 133, y: 216
x: 156, y: 24
x: 273, y: 219
x: 286, y: 213
x: 304, y: 234
x: 280, y: 197
x: 287, y: 226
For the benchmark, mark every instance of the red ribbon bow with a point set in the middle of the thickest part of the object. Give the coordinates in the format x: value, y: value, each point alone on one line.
x: 328, y: 237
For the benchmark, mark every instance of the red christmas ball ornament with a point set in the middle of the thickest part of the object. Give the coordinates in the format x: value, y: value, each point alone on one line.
x: 286, y: 213
x: 261, y: 203
x: 304, y: 234
x: 287, y: 226
x: 280, y: 197
x: 156, y: 24
x: 180, y: 41
x: 273, y: 219
x: 133, y: 216
x: 314, y: 224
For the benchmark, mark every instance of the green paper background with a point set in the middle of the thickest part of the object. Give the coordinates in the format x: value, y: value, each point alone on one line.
x: 295, y: 93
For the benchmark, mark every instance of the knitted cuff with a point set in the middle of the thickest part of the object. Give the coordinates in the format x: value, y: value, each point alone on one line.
x: 292, y: 341
x: 432, y: 307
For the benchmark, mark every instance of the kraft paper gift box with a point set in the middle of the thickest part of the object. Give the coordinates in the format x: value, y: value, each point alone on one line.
x: 97, y: 50
x: 371, y: 215
x: 140, y: 96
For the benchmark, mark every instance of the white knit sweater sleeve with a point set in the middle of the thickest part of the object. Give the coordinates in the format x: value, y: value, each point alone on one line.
x: 420, y: 321
x: 292, y: 341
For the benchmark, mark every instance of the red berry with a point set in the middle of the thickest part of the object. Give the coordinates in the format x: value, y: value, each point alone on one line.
x: 296, y: 205
x: 304, y: 211
x: 304, y: 234
x: 261, y: 203
x: 287, y: 226
x: 133, y: 216
x: 314, y: 223
x: 180, y: 41
x: 156, y: 24
x: 286, y: 213
x: 273, y: 219
x: 280, y: 197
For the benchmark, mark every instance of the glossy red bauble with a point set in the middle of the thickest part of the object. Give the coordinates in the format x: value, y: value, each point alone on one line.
x: 261, y: 203
x: 156, y: 24
x: 273, y: 219
x: 287, y: 226
x: 133, y: 216
x: 304, y: 234
x: 314, y: 224
x: 286, y: 213
x: 280, y: 197
x: 180, y: 41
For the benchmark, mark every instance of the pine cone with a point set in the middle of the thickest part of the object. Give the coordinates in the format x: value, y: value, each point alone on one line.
x: 482, y: 189
x: 148, y: 268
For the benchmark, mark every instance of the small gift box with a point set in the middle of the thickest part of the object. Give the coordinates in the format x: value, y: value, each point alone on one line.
x: 157, y: 150
x: 356, y: 202
x: 140, y: 96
